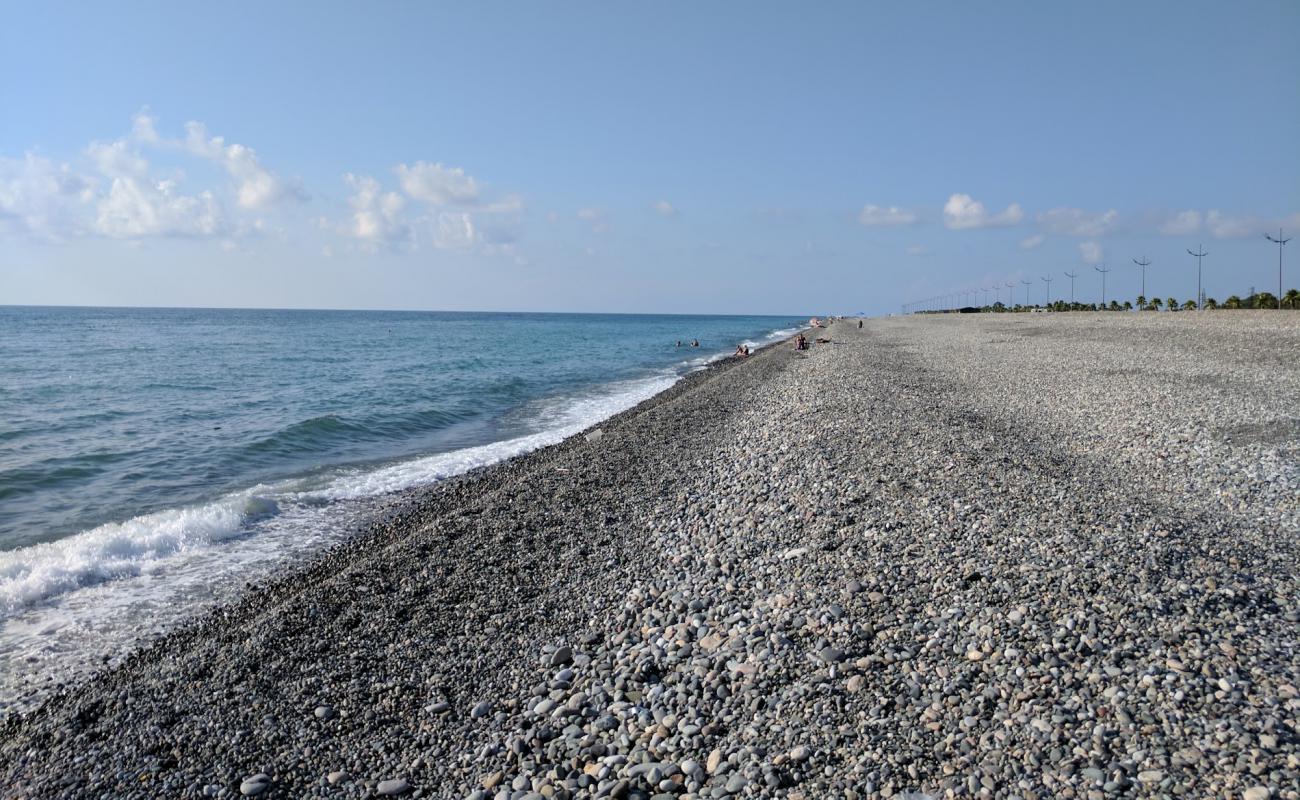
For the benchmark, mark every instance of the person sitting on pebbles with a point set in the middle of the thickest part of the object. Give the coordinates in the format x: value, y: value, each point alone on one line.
x: 741, y: 351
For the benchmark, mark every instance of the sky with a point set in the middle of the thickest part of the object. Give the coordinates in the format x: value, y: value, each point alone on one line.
x: 726, y: 157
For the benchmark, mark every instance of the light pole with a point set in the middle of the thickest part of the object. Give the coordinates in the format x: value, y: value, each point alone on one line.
x: 1072, y: 276
x: 1047, y: 293
x: 1144, y: 264
x: 1010, y: 288
x: 1280, y: 242
x: 1027, y: 285
x: 1199, y: 255
x: 1103, y: 269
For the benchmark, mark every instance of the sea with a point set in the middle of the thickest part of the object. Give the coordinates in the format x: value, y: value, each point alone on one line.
x: 155, y: 461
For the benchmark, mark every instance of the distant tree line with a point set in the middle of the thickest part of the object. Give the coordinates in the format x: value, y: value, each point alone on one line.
x: 1256, y: 300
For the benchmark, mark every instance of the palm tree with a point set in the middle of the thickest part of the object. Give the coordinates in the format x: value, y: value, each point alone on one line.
x: 1211, y: 303
x: 1155, y: 304
x: 1189, y: 305
x: 1142, y: 301
x: 1265, y: 300
x: 1291, y: 299
x: 1233, y: 301
x: 1171, y: 304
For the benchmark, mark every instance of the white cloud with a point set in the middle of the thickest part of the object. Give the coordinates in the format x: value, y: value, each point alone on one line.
x: 665, y: 209
x: 117, y: 192
x: 376, y: 214
x: 1182, y: 224
x: 41, y: 199
x: 1077, y: 222
x: 455, y: 231
x: 598, y: 218
x: 963, y: 212
x: 142, y: 128
x: 1218, y: 224
x: 438, y: 185
x: 117, y: 159
x: 880, y: 215
x: 510, y: 204
x: 137, y: 207
x: 1090, y: 252
x: 1032, y: 242
x: 1222, y: 226
x: 257, y: 187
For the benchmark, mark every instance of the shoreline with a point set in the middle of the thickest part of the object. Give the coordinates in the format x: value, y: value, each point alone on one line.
x: 390, y: 508
x: 35, y: 661
x: 798, y: 574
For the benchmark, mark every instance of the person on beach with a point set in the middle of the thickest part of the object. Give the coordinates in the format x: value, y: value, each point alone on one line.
x: 800, y: 343
x: 742, y: 351
x: 859, y: 324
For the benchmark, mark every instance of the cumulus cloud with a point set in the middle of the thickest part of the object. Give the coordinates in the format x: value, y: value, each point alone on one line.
x: 1032, y: 242
x: 1182, y: 223
x: 455, y: 231
x: 1077, y: 222
x: 143, y: 128
x: 256, y: 187
x: 962, y: 212
x: 1090, y: 252
x: 115, y: 191
x: 117, y: 159
x: 891, y: 215
x: 42, y: 199
x: 664, y: 209
x: 136, y: 208
x: 438, y: 185
x: 376, y: 215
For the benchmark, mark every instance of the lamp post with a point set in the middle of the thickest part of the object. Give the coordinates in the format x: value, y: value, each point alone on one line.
x: 1280, y: 242
x: 1144, y: 264
x: 1047, y: 293
x: 1103, y: 269
x: 1199, y: 255
x: 1072, y: 276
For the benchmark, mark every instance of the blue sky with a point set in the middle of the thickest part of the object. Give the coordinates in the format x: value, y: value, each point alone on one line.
x: 674, y: 157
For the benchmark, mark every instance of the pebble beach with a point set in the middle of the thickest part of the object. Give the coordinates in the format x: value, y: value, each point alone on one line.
x: 993, y: 555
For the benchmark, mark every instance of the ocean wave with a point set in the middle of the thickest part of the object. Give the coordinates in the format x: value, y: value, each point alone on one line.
x: 165, y: 539
x: 559, y: 419
x: 122, y: 549
x: 330, y: 431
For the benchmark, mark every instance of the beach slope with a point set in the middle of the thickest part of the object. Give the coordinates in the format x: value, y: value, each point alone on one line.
x: 968, y: 555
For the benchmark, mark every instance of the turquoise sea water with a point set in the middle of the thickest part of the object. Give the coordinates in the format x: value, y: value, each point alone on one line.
x: 152, y: 458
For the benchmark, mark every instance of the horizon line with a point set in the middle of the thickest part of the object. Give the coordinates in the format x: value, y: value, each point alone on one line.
x: 390, y: 310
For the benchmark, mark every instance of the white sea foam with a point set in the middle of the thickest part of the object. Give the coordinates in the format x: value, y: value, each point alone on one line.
x: 120, y: 549
x: 161, y: 540
x: 559, y: 421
